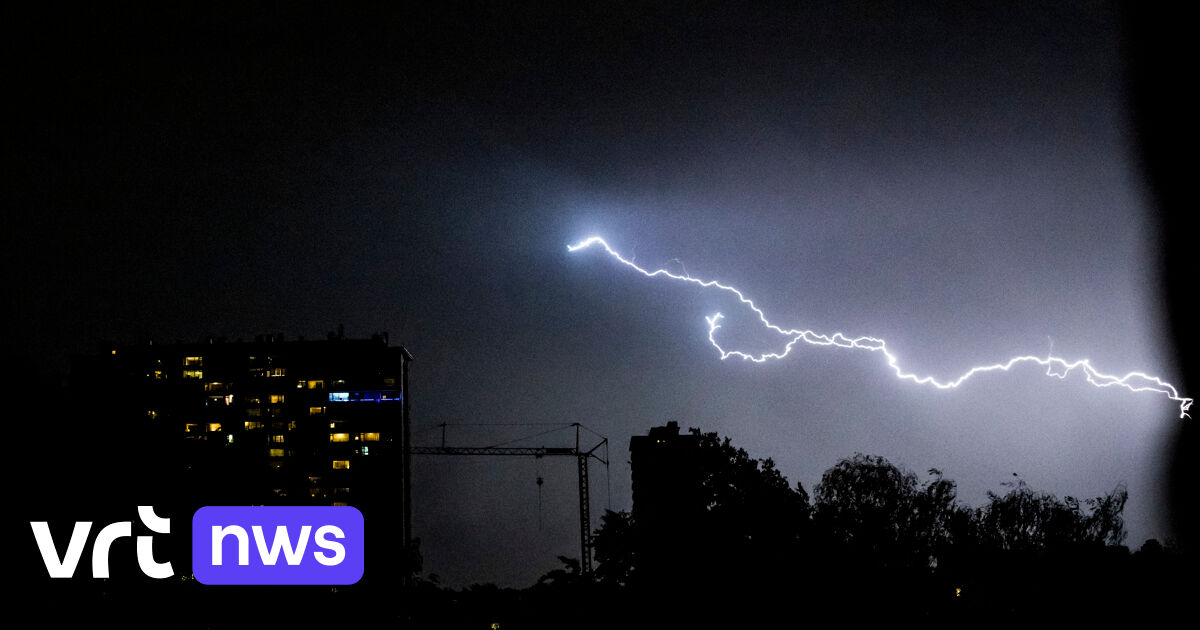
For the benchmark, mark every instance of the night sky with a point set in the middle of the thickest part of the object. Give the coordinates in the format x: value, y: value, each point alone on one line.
x: 961, y: 182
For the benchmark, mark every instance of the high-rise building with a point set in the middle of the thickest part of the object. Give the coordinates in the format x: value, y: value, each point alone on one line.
x: 273, y: 421
x: 668, y: 476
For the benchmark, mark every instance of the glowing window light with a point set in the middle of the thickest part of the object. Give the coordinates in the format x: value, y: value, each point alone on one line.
x: 368, y: 395
x: 214, y: 426
x: 339, y: 437
x: 370, y: 437
x: 341, y: 464
x: 276, y: 452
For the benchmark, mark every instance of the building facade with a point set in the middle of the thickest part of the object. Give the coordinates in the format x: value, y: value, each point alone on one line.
x: 268, y: 422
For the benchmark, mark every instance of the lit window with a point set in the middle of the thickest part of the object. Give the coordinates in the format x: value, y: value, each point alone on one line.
x: 214, y: 426
x: 276, y: 452
x: 341, y: 464
x: 341, y: 490
x: 253, y: 424
x: 152, y: 414
x: 193, y: 361
x: 254, y: 412
x: 214, y: 387
x: 278, y: 372
x: 158, y: 375
x: 276, y: 398
x: 193, y: 374
x: 389, y: 382
x: 370, y: 437
x: 339, y: 396
x: 339, y: 503
x: 316, y: 411
x: 252, y: 400
x: 292, y: 425
x: 229, y: 399
x: 362, y: 450
x: 277, y: 464
x: 277, y: 439
x: 229, y: 438
x: 191, y: 428
x: 339, y: 437
x: 316, y: 384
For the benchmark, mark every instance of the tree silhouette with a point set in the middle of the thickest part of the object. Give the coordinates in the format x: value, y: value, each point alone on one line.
x: 1023, y: 519
x: 723, y: 527
x: 879, y: 512
x: 752, y: 516
x: 616, y: 553
x: 567, y: 576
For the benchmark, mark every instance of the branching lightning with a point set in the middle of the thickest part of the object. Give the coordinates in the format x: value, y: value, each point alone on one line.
x: 1055, y: 366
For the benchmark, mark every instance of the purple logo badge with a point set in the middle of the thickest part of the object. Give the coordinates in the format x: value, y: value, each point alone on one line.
x: 277, y: 545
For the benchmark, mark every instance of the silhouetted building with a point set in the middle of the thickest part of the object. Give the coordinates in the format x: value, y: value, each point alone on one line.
x: 668, y: 477
x: 665, y: 469
x: 271, y: 421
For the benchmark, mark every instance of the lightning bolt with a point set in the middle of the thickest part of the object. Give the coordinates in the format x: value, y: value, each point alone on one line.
x: 1055, y: 366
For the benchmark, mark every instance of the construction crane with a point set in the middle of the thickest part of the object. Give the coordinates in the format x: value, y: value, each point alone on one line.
x: 581, y: 456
